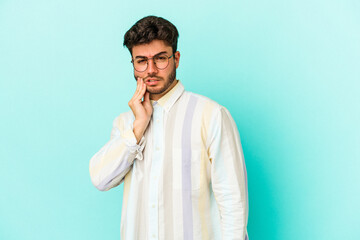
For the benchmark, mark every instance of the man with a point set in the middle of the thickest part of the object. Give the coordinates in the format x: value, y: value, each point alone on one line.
x: 178, y: 153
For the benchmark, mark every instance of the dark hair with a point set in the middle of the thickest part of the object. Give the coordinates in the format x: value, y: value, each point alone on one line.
x: 151, y: 28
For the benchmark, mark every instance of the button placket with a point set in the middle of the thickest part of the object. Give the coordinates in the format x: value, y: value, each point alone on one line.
x: 156, y: 161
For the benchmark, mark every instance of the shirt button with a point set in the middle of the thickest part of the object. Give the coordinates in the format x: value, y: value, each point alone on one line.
x: 154, y: 236
x: 153, y: 206
x: 157, y: 121
x: 157, y: 148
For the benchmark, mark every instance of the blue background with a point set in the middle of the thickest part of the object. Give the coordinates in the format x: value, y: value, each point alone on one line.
x: 288, y: 71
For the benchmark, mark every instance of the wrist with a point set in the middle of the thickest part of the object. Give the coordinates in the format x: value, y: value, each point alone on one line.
x: 139, y: 129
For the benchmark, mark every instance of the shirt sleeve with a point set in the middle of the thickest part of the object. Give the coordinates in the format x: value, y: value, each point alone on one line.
x: 228, y: 175
x: 113, y: 161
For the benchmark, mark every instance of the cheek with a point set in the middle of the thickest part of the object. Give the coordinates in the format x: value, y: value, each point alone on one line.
x: 137, y: 74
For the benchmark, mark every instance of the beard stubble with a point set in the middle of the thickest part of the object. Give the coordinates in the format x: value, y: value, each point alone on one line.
x: 170, y: 79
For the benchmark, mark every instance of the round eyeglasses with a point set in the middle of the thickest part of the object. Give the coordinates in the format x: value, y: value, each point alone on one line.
x: 161, y: 61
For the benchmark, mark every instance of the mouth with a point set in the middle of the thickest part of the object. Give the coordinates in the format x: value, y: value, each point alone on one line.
x: 151, y: 81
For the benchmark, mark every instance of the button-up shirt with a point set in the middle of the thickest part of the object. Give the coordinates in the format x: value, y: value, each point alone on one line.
x: 185, y: 179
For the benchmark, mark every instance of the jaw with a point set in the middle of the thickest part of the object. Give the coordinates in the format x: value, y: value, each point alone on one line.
x: 157, y: 93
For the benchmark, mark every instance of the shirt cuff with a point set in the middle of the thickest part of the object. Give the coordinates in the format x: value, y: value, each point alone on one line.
x: 131, y: 143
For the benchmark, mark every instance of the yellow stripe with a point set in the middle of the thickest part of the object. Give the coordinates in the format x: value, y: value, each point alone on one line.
x: 203, y: 199
x: 114, y: 154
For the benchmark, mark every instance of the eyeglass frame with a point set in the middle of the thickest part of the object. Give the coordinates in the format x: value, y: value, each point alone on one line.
x: 147, y: 62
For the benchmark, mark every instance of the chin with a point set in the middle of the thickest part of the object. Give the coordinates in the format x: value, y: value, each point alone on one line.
x: 155, y: 90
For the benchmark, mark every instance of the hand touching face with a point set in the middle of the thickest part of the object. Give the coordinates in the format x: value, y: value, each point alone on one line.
x: 158, y: 81
x: 142, y: 109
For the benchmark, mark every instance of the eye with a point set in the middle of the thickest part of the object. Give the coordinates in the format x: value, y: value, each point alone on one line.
x: 161, y: 58
x: 141, y: 61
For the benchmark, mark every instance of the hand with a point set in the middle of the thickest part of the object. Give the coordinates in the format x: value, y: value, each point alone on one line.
x: 142, y: 109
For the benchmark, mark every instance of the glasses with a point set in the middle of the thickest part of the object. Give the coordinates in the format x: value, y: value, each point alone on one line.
x: 161, y: 61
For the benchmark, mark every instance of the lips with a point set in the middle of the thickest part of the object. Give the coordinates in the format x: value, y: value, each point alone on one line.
x: 151, y: 81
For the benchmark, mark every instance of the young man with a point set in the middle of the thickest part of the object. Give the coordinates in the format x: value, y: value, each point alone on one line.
x: 178, y: 153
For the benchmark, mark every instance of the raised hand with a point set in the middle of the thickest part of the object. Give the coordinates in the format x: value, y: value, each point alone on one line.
x: 141, y: 108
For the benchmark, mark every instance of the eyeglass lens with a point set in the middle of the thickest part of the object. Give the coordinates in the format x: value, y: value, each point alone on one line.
x: 161, y: 62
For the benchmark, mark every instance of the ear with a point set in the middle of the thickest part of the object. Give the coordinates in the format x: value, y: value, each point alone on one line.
x: 177, y: 58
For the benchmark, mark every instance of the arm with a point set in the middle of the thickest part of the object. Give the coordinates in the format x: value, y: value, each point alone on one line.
x: 109, y: 166
x: 114, y: 160
x: 228, y: 175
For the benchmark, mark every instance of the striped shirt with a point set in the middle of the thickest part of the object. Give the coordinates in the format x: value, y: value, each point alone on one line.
x: 185, y: 179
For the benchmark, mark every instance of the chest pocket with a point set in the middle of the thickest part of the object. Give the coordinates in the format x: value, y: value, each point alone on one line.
x: 186, y: 169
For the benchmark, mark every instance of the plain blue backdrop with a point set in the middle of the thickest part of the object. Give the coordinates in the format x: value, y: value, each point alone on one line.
x: 288, y: 71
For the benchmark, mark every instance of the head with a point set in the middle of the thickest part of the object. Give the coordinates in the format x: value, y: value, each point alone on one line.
x: 153, y: 37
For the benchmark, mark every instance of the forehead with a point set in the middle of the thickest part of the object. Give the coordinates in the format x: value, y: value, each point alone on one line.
x: 151, y: 49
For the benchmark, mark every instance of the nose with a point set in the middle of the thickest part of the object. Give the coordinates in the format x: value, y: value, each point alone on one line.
x: 151, y: 67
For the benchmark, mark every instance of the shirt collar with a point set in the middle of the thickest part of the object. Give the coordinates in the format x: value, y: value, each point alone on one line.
x: 168, y: 100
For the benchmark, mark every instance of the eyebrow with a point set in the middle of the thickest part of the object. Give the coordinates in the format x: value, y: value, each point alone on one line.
x: 153, y: 56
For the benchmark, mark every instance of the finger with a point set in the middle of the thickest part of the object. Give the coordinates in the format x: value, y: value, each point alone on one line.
x: 137, y: 95
x: 147, y: 104
x: 147, y: 97
x: 143, y: 90
x: 136, y: 90
x: 138, y: 84
x: 140, y: 93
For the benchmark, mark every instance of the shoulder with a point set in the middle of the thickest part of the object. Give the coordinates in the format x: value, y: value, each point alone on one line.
x: 201, y: 99
x: 206, y: 104
x: 124, y: 120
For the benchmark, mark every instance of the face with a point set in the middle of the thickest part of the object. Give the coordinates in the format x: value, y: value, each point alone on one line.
x: 158, y: 82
